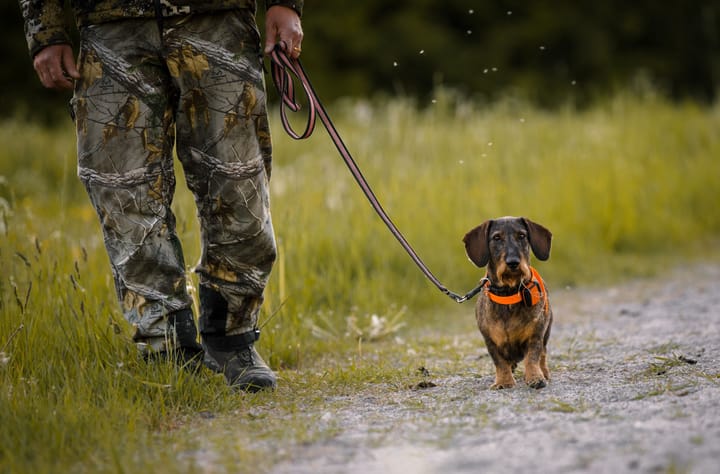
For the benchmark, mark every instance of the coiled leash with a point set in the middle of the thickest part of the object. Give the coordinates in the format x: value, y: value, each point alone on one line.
x: 283, y: 70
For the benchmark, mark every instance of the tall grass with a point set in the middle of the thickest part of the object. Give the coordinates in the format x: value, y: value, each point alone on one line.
x: 626, y: 187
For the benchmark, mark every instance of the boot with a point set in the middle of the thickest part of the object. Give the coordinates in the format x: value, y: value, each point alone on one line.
x: 236, y: 358
x: 183, y: 334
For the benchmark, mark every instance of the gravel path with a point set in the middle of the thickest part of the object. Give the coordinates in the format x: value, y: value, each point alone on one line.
x: 635, y: 388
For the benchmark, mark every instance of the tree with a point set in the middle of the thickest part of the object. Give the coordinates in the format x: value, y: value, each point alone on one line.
x: 549, y: 51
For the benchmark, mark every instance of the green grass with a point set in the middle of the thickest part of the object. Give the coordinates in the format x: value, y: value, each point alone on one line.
x: 627, y: 187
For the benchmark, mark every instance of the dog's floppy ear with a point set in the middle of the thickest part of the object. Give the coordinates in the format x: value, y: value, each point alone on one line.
x: 476, y: 244
x: 540, y: 239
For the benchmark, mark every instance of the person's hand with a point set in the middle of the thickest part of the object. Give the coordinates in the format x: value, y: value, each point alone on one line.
x: 282, y: 26
x: 55, y: 66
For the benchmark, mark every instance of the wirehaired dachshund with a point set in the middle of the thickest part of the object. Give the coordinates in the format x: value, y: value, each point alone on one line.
x: 513, y: 309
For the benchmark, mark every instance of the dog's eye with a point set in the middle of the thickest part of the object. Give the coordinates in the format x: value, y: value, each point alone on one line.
x: 497, y: 237
x: 521, y: 235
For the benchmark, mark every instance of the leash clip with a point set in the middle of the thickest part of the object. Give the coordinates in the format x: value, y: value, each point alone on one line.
x: 461, y: 299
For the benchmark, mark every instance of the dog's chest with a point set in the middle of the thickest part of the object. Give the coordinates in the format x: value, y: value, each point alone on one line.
x: 508, y: 324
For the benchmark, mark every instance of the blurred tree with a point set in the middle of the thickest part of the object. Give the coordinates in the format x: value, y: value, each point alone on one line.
x: 551, y: 51
x: 548, y: 51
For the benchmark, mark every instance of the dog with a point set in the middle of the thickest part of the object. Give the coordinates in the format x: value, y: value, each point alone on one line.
x: 513, y: 309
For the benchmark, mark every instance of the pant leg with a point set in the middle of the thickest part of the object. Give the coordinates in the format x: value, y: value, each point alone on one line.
x: 224, y: 145
x: 125, y: 136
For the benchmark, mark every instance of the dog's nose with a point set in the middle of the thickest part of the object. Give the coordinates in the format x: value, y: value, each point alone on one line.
x: 513, y: 263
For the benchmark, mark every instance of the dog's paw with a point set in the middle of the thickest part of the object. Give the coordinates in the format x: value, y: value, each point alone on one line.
x: 502, y: 385
x: 536, y: 382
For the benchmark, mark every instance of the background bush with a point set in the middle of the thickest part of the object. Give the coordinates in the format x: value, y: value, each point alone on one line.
x: 549, y: 52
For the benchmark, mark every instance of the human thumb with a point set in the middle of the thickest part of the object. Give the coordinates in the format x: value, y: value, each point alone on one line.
x: 68, y: 62
x: 271, y: 35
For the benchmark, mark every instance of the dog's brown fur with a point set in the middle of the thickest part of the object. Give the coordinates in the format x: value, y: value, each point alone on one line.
x: 514, y: 332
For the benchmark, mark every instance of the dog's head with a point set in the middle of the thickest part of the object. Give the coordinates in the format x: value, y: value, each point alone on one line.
x: 504, y: 245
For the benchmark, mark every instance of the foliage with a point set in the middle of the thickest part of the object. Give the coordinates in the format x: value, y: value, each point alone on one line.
x: 547, y: 52
x: 625, y: 186
x: 544, y: 51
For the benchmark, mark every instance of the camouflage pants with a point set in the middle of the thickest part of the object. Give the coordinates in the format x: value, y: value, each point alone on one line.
x: 194, y: 82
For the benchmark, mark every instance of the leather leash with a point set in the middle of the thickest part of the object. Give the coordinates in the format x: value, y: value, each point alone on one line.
x: 283, y: 70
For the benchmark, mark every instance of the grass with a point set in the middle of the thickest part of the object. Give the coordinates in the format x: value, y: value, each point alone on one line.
x: 627, y: 187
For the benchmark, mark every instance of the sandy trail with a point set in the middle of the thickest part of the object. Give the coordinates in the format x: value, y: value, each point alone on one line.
x: 635, y: 388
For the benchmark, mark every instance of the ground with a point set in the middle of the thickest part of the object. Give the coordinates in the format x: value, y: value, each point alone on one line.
x: 635, y: 388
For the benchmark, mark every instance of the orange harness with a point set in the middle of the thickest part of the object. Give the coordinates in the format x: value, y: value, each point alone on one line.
x: 529, y: 293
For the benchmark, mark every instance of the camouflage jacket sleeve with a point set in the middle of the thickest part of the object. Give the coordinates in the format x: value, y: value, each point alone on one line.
x: 296, y: 5
x: 44, y: 23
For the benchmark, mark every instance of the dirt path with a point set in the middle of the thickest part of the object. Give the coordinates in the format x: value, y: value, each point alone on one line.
x: 635, y: 388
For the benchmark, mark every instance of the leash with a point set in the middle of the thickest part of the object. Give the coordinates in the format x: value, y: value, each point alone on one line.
x: 283, y: 70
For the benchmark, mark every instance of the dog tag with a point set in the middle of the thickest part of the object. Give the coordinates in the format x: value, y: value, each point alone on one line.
x: 527, y: 294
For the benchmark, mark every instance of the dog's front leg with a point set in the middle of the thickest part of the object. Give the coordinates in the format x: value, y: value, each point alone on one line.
x: 543, y: 364
x: 503, y: 376
x: 503, y: 369
x: 536, y: 365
